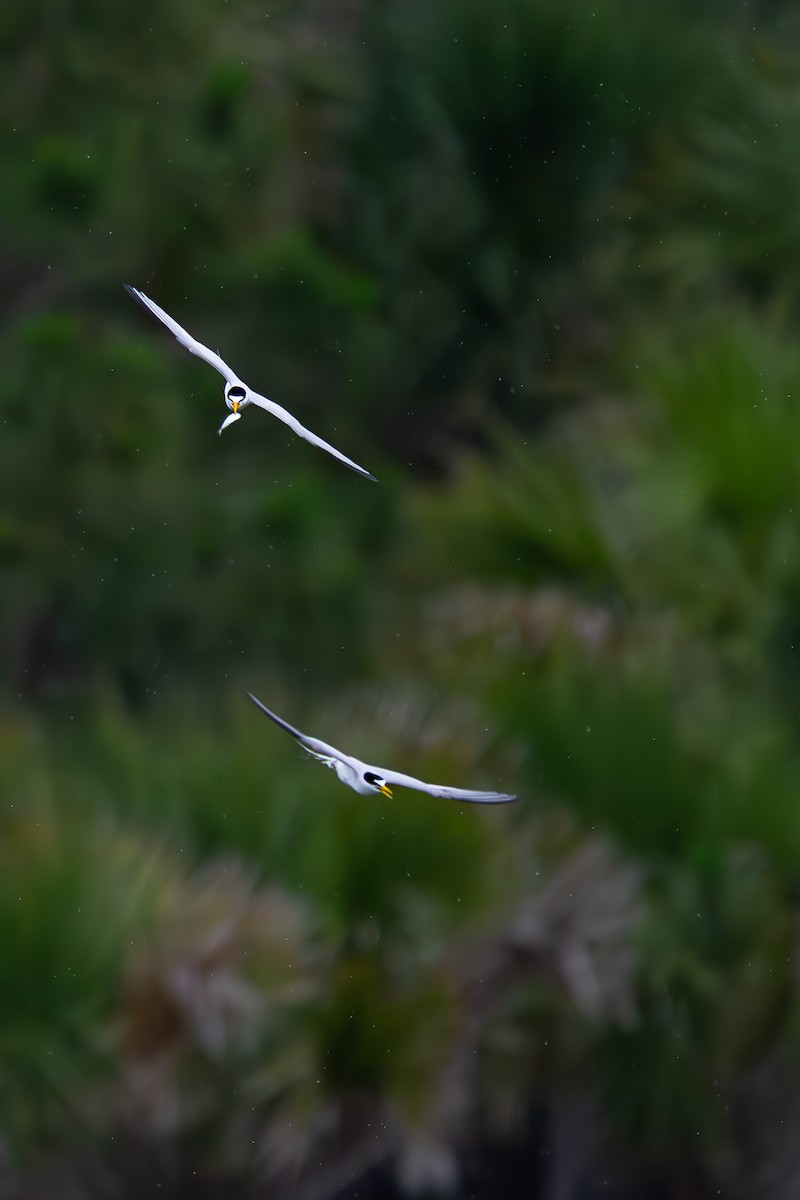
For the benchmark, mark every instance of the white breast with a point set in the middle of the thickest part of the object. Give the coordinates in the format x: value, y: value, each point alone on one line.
x: 353, y: 775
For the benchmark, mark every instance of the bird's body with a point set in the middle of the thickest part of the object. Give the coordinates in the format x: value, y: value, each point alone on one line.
x: 365, y: 779
x: 238, y: 395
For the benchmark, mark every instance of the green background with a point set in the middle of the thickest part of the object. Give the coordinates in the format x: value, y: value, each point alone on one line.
x: 535, y: 264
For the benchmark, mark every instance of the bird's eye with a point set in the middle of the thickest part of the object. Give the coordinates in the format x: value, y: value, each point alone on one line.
x: 369, y: 777
x: 236, y: 393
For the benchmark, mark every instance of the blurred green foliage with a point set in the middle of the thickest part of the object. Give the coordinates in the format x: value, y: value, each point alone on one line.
x: 535, y: 265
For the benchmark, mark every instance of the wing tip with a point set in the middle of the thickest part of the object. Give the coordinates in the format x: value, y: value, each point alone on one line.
x: 255, y: 700
x: 263, y: 708
x: 138, y: 296
x: 362, y: 471
x: 276, y: 720
x: 488, y: 798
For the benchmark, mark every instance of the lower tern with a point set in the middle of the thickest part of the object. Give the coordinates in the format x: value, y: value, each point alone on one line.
x: 237, y: 394
x: 363, y: 778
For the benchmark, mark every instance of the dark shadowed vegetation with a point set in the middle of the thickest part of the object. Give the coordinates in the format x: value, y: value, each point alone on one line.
x: 535, y: 265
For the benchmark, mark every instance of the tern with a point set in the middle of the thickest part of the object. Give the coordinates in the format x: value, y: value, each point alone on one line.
x: 363, y: 778
x: 237, y: 394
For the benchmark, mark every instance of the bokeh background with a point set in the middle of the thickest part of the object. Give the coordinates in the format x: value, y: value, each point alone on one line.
x: 536, y: 264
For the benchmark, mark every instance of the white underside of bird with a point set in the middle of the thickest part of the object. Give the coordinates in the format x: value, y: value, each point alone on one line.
x: 365, y: 779
x: 237, y: 394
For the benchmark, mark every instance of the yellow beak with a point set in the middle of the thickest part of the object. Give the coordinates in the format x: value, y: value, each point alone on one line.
x: 235, y: 406
x: 385, y: 791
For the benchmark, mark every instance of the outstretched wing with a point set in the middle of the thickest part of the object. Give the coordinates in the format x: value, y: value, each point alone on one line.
x: 185, y: 339
x: 446, y: 793
x: 313, y: 745
x: 284, y: 415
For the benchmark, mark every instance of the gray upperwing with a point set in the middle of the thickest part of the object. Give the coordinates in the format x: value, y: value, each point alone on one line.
x: 446, y: 793
x: 308, y: 743
x: 289, y: 419
x: 179, y: 333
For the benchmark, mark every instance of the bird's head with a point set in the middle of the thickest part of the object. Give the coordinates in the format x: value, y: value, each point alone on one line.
x: 378, y: 784
x: 235, y: 395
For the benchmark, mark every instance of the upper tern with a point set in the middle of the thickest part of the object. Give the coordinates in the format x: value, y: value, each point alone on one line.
x: 237, y: 394
x: 363, y: 778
